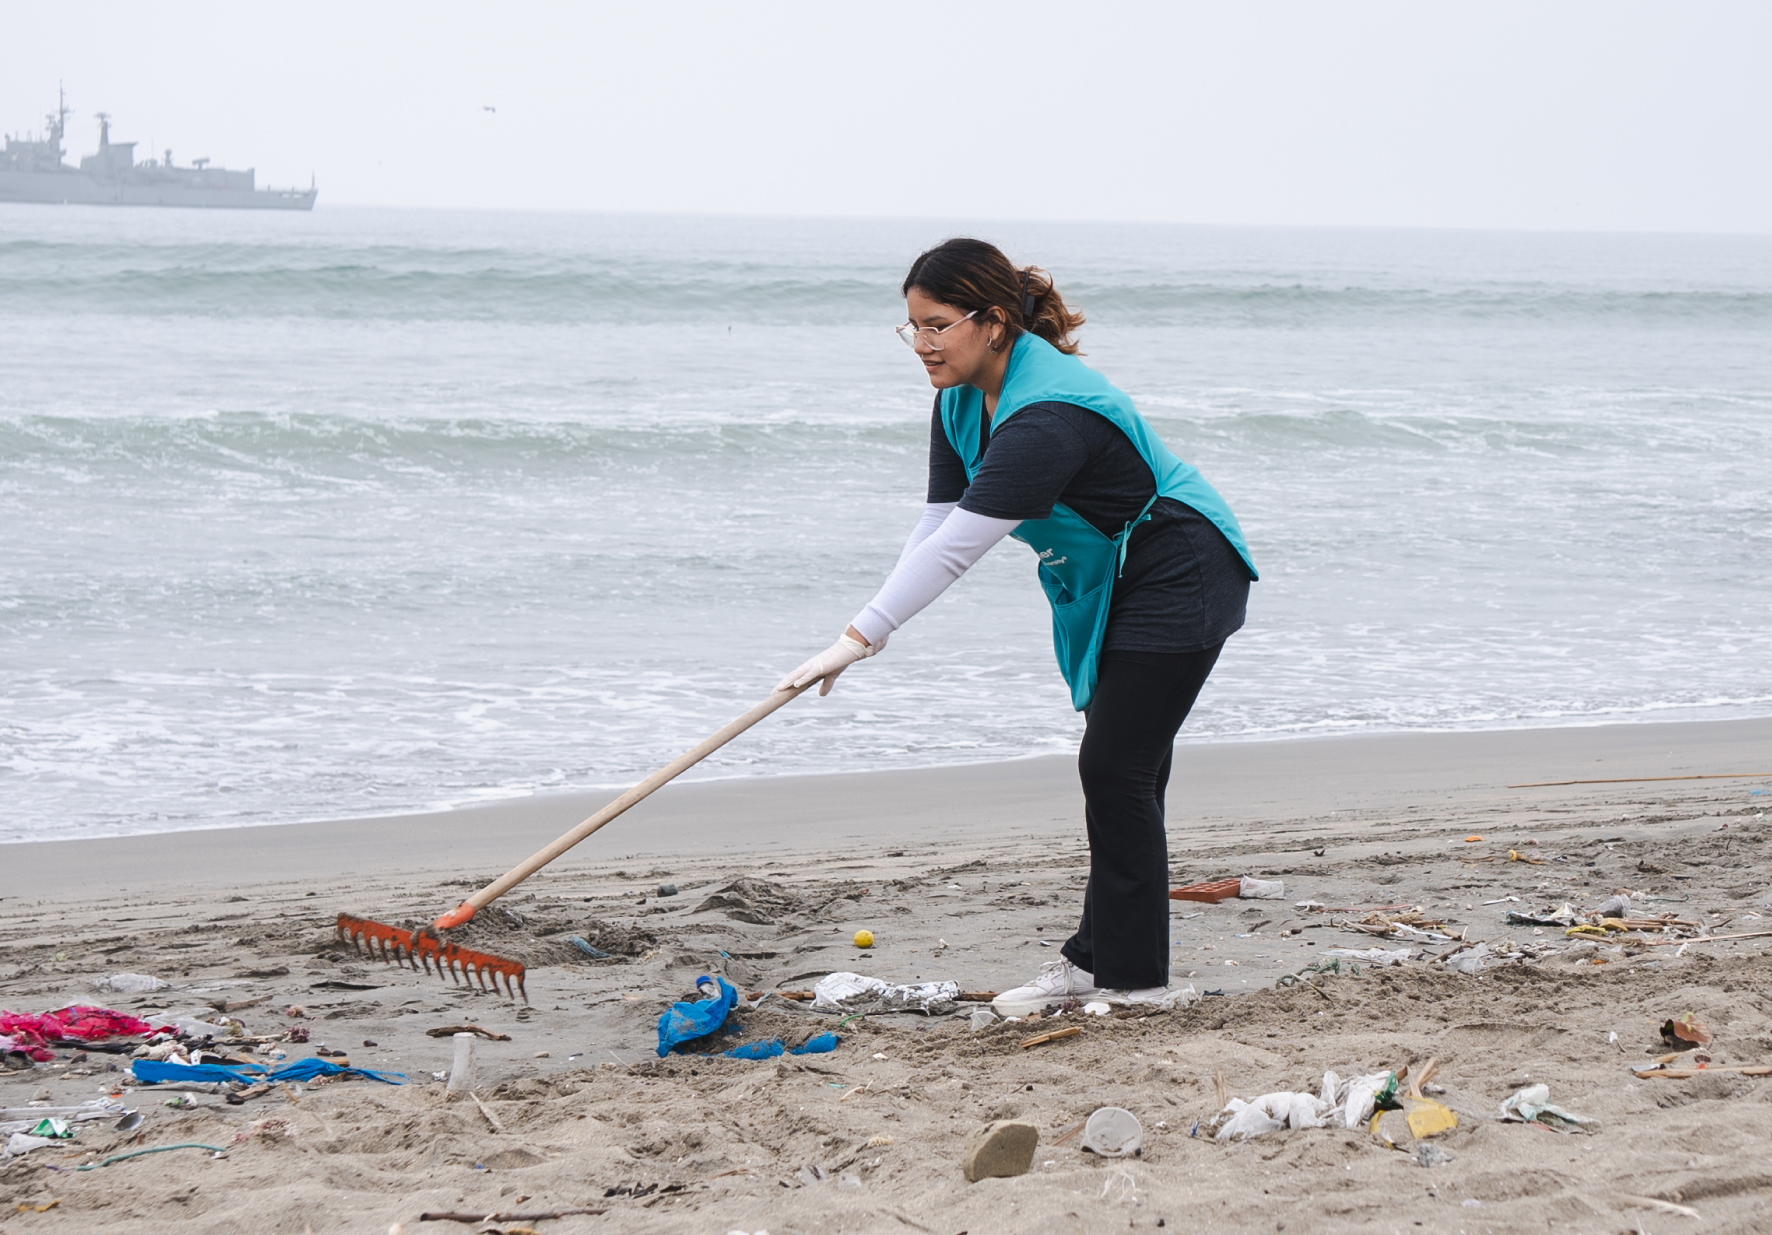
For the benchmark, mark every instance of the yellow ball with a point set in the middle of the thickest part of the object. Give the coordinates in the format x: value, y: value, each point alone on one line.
x: 864, y: 939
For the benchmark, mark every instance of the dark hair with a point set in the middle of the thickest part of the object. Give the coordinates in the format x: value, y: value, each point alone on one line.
x: 974, y: 275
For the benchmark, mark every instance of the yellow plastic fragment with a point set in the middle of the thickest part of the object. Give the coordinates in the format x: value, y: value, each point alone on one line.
x: 1592, y: 932
x: 1428, y: 1118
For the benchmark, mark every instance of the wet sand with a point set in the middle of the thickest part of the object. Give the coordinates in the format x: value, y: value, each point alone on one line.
x: 972, y: 874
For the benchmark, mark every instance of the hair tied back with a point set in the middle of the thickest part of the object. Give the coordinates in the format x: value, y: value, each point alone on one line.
x: 974, y: 276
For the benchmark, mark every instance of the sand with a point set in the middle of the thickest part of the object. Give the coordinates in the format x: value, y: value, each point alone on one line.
x: 972, y: 874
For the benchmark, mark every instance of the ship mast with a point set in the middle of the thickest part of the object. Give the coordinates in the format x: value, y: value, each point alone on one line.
x: 58, y: 123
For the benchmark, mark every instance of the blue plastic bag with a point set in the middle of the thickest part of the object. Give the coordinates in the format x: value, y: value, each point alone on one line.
x: 152, y: 1072
x: 685, y: 1022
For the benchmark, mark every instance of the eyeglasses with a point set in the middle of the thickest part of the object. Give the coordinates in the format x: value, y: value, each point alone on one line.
x: 928, y: 334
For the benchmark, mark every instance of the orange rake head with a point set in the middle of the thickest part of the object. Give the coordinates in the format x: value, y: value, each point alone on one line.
x: 424, y: 948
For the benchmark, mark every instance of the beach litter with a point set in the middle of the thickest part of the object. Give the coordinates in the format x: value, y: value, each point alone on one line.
x: 1054, y: 1036
x: 479, y: 1219
x: 33, y: 1034
x: 1270, y: 1112
x: 688, y: 1022
x: 1468, y: 960
x: 449, y: 1031
x: 999, y: 1150
x: 1532, y: 1105
x: 864, y: 939
x: 1664, y: 1068
x: 130, y: 984
x: 1355, y: 1102
x: 461, y: 1068
x: 153, y: 1072
x: 21, y: 1143
x: 1425, y: 1116
x: 1686, y: 1028
x: 1113, y: 1132
x: 1244, y: 888
x: 852, y: 992
x: 1382, y: 956
x: 584, y: 945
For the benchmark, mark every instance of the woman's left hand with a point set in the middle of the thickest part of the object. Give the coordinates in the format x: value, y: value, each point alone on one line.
x: 831, y: 662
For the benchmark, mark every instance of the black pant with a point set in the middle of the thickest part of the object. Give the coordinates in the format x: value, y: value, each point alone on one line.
x: 1140, y: 700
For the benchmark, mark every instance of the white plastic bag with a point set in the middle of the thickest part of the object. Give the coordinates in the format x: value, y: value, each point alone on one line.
x: 130, y: 984
x: 21, y: 1143
x: 1260, y: 889
x: 1273, y: 1111
x: 1377, y: 956
x: 1470, y: 960
x: 1362, y: 1098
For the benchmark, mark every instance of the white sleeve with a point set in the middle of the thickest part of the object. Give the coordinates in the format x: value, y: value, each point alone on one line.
x: 927, y: 570
x: 933, y: 514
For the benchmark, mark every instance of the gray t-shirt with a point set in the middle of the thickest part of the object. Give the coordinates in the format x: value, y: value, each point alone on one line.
x: 1184, y: 587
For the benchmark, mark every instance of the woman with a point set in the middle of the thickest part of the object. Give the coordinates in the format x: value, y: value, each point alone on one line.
x: 1142, y: 561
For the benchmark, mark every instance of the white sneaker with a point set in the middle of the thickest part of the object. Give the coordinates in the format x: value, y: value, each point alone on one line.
x: 1059, y: 980
x: 1146, y: 997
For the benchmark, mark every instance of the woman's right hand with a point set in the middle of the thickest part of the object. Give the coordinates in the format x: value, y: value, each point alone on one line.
x: 831, y: 662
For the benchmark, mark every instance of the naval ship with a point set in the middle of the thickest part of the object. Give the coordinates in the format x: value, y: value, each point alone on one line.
x: 32, y: 170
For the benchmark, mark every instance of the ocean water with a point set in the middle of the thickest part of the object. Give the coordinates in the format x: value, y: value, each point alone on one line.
x: 368, y: 511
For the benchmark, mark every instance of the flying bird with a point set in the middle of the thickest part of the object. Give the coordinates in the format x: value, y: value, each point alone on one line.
x: 493, y: 110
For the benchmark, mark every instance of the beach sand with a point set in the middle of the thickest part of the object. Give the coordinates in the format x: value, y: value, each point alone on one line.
x: 972, y: 874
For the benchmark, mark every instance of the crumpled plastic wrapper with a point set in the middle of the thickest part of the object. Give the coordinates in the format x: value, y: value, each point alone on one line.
x: 852, y: 992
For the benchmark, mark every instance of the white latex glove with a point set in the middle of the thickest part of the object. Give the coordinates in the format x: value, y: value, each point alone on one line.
x: 829, y: 663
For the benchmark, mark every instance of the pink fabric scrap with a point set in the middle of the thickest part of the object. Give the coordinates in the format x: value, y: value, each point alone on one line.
x: 35, y: 1034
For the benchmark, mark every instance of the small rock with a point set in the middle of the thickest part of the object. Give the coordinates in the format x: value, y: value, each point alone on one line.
x: 667, y: 889
x: 1429, y: 1154
x: 370, y: 1042
x: 1000, y: 1150
x: 541, y: 1054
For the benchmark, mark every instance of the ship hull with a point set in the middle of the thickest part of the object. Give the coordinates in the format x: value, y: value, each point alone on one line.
x: 73, y: 188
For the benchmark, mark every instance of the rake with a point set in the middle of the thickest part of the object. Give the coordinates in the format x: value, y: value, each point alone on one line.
x: 428, y: 948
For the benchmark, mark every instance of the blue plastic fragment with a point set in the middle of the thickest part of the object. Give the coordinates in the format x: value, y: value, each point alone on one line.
x: 684, y: 1022
x: 820, y: 1045
x: 756, y: 1050
x: 584, y: 945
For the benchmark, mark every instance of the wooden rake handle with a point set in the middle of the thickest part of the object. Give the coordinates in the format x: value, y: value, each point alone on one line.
x: 465, y: 911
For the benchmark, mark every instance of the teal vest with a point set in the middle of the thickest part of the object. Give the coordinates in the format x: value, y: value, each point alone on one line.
x: 1077, y: 564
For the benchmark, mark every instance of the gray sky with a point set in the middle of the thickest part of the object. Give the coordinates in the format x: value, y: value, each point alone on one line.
x: 1563, y: 114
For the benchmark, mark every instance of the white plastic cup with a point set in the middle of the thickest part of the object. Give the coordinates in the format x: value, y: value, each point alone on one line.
x: 1113, y: 1132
